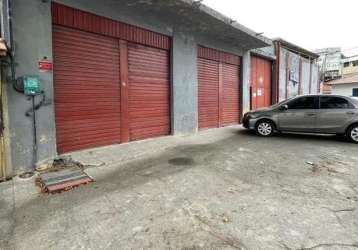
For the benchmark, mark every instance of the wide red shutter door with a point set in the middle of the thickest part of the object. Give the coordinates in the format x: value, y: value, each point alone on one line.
x: 149, y: 92
x: 230, y: 94
x: 87, y: 89
x: 208, y: 95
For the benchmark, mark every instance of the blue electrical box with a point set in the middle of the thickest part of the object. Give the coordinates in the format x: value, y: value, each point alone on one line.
x: 32, y: 85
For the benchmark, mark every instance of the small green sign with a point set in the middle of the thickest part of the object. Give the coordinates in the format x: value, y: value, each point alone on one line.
x: 32, y: 85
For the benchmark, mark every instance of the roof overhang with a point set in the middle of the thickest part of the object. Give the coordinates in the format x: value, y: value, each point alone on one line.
x: 200, y: 19
x: 295, y: 48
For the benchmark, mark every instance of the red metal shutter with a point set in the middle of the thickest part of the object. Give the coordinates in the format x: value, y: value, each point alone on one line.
x: 87, y: 89
x: 149, y: 92
x: 261, y: 82
x: 230, y: 94
x: 208, y: 95
x: 218, y: 80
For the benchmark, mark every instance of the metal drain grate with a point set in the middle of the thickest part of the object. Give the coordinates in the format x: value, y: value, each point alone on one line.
x: 63, y: 180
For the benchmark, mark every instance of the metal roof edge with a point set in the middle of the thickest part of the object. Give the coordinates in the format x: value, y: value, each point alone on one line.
x: 295, y: 47
x: 227, y: 20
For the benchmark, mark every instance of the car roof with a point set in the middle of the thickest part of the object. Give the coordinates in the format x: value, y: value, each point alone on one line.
x: 326, y: 95
x: 352, y: 99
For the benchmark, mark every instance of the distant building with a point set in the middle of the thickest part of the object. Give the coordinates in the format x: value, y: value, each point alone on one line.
x: 347, y: 85
x: 330, y: 63
x: 350, y: 65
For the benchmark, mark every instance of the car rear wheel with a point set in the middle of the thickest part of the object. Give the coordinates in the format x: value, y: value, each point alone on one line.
x: 265, y: 128
x: 352, y: 133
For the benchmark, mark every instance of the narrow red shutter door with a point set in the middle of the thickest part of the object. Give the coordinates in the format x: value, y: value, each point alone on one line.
x: 208, y: 96
x: 149, y: 92
x: 230, y: 94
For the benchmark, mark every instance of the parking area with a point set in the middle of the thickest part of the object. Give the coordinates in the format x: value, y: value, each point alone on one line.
x: 219, y: 189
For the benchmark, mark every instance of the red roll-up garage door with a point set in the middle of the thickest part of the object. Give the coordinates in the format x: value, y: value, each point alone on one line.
x: 111, y: 81
x: 149, y: 92
x: 230, y: 94
x: 208, y: 80
x: 261, y: 82
x: 87, y: 89
x: 218, y: 90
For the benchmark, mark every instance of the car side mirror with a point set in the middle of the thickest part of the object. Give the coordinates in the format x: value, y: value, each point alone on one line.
x: 284, y: 107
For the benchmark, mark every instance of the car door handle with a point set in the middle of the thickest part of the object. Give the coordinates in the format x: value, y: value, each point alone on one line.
x: 311, y: 114
x: 350, y: 113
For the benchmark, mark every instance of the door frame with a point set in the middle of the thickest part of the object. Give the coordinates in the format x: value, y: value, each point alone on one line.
x: 274, y: 88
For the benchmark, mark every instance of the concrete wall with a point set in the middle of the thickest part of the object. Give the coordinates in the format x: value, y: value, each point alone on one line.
x: 245, y: 88
x: 344, y: 89
x: 350, y: 69
x: 185, y: 84
x: 33, y: 41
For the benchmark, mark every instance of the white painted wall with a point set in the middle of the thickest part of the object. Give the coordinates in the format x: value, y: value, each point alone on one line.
x: 344, y: 89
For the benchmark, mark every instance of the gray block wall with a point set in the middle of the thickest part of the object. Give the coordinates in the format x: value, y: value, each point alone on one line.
x: 33, y: 41
x: 245, y: 88
x: 185, y: 84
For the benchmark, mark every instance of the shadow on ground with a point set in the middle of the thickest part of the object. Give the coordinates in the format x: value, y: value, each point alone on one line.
x: 319, y: 138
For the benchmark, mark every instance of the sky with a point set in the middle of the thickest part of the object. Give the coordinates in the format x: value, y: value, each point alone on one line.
x: 311, y: 24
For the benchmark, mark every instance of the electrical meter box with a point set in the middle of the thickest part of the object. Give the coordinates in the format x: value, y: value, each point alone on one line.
x: 32, y: 85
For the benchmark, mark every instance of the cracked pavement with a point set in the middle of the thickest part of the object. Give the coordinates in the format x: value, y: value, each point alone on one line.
x: 219, y: 189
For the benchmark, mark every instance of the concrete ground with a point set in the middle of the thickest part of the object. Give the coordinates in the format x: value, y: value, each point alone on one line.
x: 218, y: 189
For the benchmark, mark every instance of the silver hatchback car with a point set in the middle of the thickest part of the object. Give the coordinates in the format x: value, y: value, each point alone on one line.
x: 323, y: 114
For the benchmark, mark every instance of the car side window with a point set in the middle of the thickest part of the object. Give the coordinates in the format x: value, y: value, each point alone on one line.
x: 307, y: 102
x: 332, y: 102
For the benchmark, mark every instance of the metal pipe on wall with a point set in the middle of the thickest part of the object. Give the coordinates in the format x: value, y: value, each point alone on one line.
x: 3, y: 170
